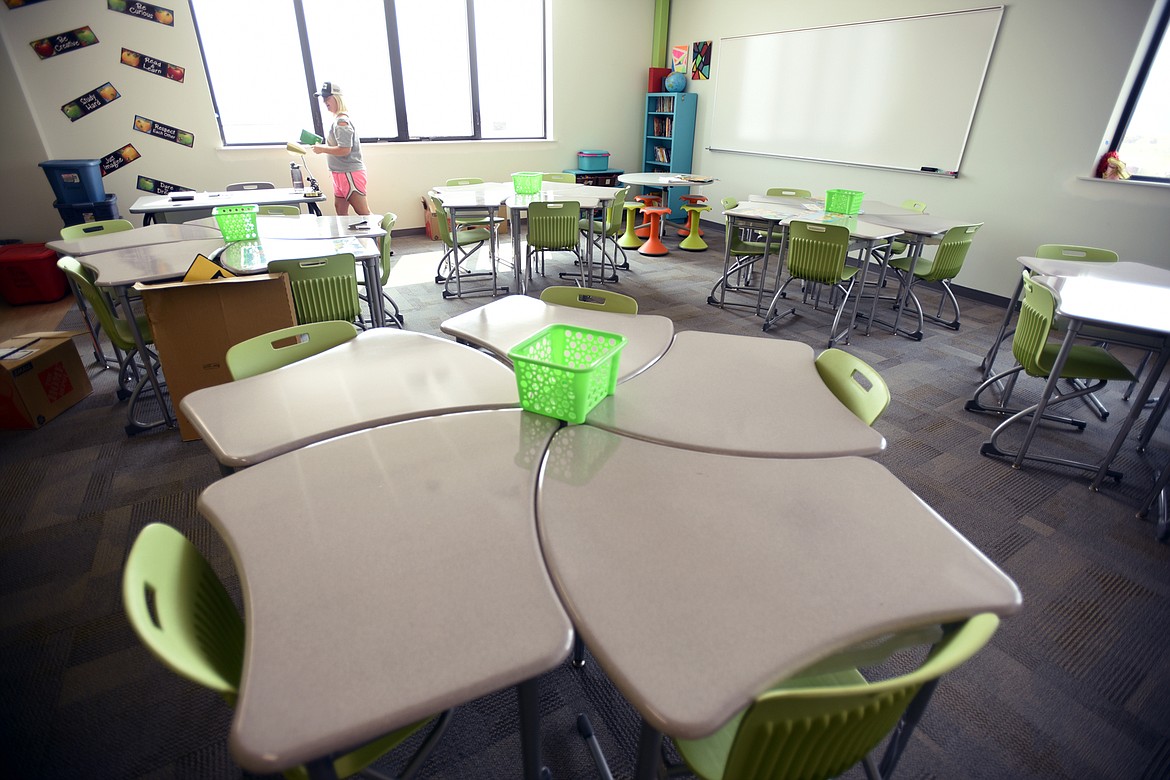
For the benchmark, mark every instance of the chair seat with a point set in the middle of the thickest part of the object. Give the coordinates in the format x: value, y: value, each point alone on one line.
x: 741, y: 247
x: 1085, y: 361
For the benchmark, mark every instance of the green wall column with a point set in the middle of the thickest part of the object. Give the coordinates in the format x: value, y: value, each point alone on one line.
x: 661, y: 27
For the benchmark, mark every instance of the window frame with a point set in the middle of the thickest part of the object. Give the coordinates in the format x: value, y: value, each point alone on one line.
x: 1157, y: 40
x: 396, y: 81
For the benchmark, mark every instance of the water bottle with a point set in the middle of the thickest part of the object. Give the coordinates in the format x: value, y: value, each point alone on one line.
x: 298, y: 179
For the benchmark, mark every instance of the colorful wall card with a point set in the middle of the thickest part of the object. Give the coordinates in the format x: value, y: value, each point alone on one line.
x: 154, y: 13
x: 19, y: 3
x: 160, y: 187
x: 701, y: 60
x: 165, y: 132
x: 678, y: 58
x: 151, y: 65
x: 115, y: 160
x: 90, y: 102
x: 65, y: 42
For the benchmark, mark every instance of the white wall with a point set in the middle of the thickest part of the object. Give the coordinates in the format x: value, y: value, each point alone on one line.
x: 1055, y: 75
x: 598, y: 83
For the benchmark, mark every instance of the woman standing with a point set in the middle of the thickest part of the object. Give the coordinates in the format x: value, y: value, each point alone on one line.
x: 345, y: 154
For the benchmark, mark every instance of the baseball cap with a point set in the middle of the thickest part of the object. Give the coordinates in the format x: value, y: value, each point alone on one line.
x: 329, y: 88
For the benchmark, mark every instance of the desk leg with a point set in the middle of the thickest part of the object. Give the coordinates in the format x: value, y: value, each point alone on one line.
x: 168, y: 419
x: 1137, y: 406
x: 905, y: 728
x: 649, y: 752
x: 528, y: 693
x: 314, y: 209
x: 989, y: 358
x: 373, y: 273
x: 1070, y: 336
x: 519, y: 263
x: 904, y: 292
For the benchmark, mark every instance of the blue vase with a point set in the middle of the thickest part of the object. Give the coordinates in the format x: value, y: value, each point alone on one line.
x: 675, y: 82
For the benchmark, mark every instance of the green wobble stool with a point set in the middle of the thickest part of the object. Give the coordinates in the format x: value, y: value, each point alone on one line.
x: 630, y: 239
x: 694, y: 241
x: 692, y: 199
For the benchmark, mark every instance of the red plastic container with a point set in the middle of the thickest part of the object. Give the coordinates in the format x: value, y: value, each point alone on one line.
x: 29, y: 274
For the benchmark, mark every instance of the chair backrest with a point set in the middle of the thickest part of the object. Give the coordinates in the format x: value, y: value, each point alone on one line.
x: 181, y: 611
x: 820, y: 731
x: 323, y: 288
x: 613, y: 215
x: 248, y: 186
x: 387, y: 224
x: 1037, y: 309
x: 279, y: 210
x: 554, y: 224
x: 463, y: 181
x: 564, y: 178
x: 917, y: 205
x: 951, y: 252
x: 856, y: 383
x: 817, y: 251
x: 1086, y: 254
x: 788, y: 192
x: 86, y: 229
x: 117, y: 329
x: 729, y: 202
x: 267, y: 351
x: 590, y: 298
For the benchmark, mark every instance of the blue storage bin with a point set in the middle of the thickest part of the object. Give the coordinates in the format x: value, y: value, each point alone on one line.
x: 75, y: 181
x: 593, y: 160
x: 77, y: 213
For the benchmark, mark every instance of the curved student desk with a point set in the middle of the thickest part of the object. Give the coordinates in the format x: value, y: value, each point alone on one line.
x: 376, y: 593
x: 505, y: 322
x: 381, y: 376
x: 128, y: 239
x: 183, y: 206
x: 684, y: 400
x: 307, y: 226
x: 693, y: 609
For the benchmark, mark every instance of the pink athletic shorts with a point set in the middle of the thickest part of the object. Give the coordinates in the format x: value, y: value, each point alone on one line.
x: 345, y: 182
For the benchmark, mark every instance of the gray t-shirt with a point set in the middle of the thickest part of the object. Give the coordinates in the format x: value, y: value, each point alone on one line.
x: 342, y: 133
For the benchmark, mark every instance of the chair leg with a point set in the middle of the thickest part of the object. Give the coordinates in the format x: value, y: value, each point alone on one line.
x: 974, y: 404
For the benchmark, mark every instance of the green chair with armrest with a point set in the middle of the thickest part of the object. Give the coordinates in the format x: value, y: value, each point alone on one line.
x: 590, y: 298
x: 323, y: 288
x: 819, y: 726
x: 743, y: 251
x: 132, y: 377
x: 395, y: 320
x: 460, y: 245
x: 277, y: 348
x: 87, y: 229
x: 944, y: 266
x: 608, y: 228
x: 1036, y: 355
x: 817, y: 254
x: 279, y: 210
x: 554, y: 226
x: 856, y: 383
x: 184, y: 616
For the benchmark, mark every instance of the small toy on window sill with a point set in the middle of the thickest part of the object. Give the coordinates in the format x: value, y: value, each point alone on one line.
x: 1111, y: 167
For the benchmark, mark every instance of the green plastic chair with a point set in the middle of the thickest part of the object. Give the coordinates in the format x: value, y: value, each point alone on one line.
x: 387, y: 224
x: 590, y: 298
x: 460, y: 245
x: 323, y: 288
x: 608, y: 228
x: 248, y: 186
x: 277, y: 348
x: 944, y: 266
x: 132, y: 377
x: 279, y: 211
x: 563, y: 178
x: 788, y: 192
x: 899, y: 245
x: 743, y: 251
x: 818, y: 727
x: 87, y: 229
x: 182, y: 613
x: 856, y: 383
x: 1035, y: 355
x: 553, y: 226
x: 817, y: 254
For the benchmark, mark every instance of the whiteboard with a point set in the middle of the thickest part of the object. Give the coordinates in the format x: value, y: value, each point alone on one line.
x: 889, y: 93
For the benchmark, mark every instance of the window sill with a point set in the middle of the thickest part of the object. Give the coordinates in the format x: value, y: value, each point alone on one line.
x: 1126, y: 182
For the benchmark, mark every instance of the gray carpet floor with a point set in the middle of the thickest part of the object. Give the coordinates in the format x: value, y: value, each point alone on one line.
x: 1075, y: 686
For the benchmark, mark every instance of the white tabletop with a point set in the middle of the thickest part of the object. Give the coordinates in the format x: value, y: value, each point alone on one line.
x: 1131, y: 304
x: 381, y: 376
x: 682, y: 400
x: 250, y: 257
x: 694, y: 601
x: 588, y: 197
x: 1121, y: 271
x: 872, y: 207
x: 376, y: 592
x: 652, y: 179
x: 151, y: 263
x: 307, y: 226
x: 487, y: 194
x: 792, y: 209
x: 915, y: 224
x: 127, y: 239
x: 505, y: 322
x: 150, y: 204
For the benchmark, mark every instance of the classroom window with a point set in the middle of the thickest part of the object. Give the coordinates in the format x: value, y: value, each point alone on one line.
x: 410, y: 69
x: 1142, y: 139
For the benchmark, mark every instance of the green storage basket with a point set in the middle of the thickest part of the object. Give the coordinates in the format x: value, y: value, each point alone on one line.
x: 237, y: 223
x: 843, y: 201
x: 564, y: 371
x: 526, y: 182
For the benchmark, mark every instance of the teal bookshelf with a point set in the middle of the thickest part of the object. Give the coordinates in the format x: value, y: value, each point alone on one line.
x: 670, y: 141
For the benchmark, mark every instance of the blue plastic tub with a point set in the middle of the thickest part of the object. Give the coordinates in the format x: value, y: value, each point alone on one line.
x: 593, y: 160
x: 75, y: 181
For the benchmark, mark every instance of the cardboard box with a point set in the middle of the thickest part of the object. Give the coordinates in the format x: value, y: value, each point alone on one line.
x: 430, y: 219
x: 194, y: 323
x: 41, y: 375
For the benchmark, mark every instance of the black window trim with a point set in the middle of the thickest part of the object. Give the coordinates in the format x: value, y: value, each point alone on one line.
x: 1157, y: 40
